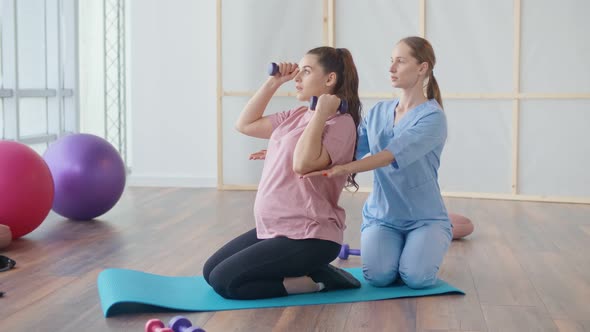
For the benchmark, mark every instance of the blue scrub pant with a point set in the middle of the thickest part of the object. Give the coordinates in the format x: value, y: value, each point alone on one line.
x: 415, y: 254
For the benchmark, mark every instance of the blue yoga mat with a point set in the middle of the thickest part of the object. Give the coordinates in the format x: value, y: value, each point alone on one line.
x: 125, y: 291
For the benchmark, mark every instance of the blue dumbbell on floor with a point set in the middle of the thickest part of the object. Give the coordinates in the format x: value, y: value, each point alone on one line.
x: 345, y: 251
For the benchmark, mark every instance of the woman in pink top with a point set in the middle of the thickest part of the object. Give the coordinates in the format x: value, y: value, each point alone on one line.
x: 299, y: 224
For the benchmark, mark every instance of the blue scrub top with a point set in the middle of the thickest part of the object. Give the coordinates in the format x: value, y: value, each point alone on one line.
x: 406, y: 192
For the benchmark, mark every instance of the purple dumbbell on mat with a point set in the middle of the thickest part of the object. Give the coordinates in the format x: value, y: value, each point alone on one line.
x: 345, y: 251
x: 156, y: 325
x: 182, y: 324
x: 313, y: 101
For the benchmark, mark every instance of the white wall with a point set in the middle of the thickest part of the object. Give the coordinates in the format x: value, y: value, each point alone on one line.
x: 503, y: 139
x: 172, y: 92
x: 172, y: 80
x: 90, y: 44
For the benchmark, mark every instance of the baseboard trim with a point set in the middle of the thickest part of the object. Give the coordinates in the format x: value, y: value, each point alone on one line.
x: 171, y: 181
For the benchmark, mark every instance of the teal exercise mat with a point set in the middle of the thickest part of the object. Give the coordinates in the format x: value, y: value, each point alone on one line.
x: 125, y: 291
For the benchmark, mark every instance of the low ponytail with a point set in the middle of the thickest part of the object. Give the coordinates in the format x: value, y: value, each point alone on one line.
x: 349, y: 86
x: 349, y: 90
x: 432, y: 90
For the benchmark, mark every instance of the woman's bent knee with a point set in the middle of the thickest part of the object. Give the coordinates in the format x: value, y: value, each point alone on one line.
x: 207, y: 269
x: 379, y: 279
x: 416, y: 280
x: 220, y: 283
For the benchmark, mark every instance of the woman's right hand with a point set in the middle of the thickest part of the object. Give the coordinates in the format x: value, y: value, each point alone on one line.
x: 327, y: 105
x: 287, y: 71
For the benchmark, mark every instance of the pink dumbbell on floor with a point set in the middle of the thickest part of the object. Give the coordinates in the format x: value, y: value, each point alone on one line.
x: 345, y: 251
x: 156, y: 325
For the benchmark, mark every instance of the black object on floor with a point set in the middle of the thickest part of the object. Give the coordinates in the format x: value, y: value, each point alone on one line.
x: 6, y: 263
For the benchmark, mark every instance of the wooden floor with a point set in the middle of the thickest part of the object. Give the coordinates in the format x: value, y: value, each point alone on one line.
x: 526, y: 268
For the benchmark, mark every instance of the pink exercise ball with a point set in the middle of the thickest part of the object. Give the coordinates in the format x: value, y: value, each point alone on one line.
x: 5, y: 236
x: 26, y: 188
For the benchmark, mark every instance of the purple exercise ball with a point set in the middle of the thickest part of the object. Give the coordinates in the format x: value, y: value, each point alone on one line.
x: 88, y: 173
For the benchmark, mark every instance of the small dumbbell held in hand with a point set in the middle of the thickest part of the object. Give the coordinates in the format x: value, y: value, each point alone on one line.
x: 272, y: 69
x: 182, y: 324
x: 288, y: 68
x: 156, y: 325
x: 345, y: 251
x: 342, y: 108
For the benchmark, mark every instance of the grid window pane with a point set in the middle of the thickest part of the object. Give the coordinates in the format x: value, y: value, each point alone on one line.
x: 32, y: 116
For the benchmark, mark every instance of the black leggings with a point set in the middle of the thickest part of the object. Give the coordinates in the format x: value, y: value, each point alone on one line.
x: 250, y: 268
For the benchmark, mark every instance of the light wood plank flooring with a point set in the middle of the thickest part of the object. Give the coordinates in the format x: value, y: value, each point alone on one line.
x: 526, y: 268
